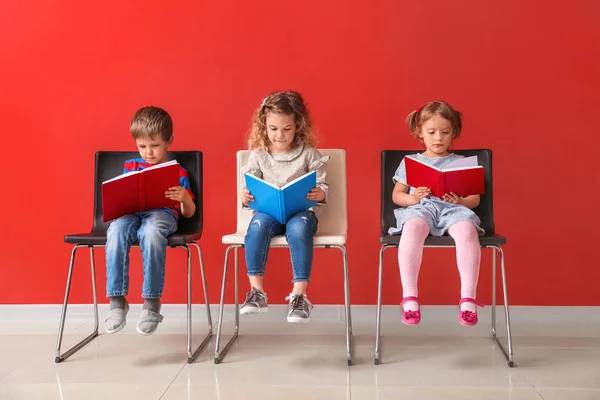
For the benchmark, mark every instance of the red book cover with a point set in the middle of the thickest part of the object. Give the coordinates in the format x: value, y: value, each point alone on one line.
x: 139, y: 191
x: 463, y: 177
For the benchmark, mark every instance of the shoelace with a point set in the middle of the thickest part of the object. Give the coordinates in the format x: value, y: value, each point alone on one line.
x: 299, y: 302
x: 253, y: 296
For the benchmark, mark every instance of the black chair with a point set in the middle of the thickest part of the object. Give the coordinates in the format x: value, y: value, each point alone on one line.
x: 108, y: 165
x: 390, y: 159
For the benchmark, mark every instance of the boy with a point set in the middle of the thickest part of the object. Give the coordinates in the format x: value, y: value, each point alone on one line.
x: 152, y: 130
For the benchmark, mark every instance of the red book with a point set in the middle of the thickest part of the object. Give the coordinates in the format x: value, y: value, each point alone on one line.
x: 463, y: 177
x: 139, y: 191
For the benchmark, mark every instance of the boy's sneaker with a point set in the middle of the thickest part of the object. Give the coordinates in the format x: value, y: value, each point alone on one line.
x: 148, y: 322
x: 256, y: 302
x: 299, y: 309
x: 117, y: 318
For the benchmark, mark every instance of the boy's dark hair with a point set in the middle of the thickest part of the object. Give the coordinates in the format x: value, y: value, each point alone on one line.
x: 150, y: 121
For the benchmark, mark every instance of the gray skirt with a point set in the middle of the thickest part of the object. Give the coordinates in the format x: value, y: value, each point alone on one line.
x: 440, y: 216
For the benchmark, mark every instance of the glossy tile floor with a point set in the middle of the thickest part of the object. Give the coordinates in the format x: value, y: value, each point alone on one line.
x: 557, y: 351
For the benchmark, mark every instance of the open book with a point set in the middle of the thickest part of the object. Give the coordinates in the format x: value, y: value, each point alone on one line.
x: 282, y: 204
x: 139, y: 191
x: 463, y: 177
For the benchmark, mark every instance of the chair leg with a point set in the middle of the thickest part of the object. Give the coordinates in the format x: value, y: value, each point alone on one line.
x: 236, y: 287
x: 379, y: 295
x: 58, y: 357
x: 508, y: 355
x: 193, y: 356
x: 219, y: 355
x: 205, y: 288
x: 347, y: 306
x: 93, y: 266
x: 493, y: 293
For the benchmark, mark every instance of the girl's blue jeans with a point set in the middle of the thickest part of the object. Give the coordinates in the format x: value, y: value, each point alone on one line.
x: 299, y: 232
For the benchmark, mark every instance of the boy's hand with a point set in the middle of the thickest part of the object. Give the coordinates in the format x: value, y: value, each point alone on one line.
x: 246, y: 197
x: 421, y: 192
x: 316, y: 194
x: 178, y: 193
x: 452, y: 198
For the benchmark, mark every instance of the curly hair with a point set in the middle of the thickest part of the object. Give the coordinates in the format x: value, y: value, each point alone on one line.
x: 287, y: 103
x: 417, y: 118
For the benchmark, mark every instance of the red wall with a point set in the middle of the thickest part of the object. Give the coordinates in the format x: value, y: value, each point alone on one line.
x: 525, y: 75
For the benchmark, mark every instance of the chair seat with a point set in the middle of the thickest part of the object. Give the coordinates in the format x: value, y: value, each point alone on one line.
x: 320, y: 239
x: 485, y: 240
x: 99, y: 239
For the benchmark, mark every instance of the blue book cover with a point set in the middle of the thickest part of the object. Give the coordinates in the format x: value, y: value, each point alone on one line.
x: 281, y: 203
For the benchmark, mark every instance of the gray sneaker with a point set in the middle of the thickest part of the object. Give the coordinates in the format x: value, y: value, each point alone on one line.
x: 148, y: 322
x: 299, y: 309
x: 256, y: 302
x: 117, y: 318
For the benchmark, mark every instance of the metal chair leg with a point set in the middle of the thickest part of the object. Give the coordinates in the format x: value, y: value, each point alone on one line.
x: 58, y: 357
x: 494, y: 293
x: 347, y: 306
x: 193, y: 356
x: 204, y: 287
x: 379, y: 294
x: 508, y: 355
x: 219, y: 354
x: 236, y: 296
x: 94, y: 294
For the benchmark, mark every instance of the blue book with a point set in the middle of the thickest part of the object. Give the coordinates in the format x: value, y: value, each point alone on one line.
x: 281, y: 203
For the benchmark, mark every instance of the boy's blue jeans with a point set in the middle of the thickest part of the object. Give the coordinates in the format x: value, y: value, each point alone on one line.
x: 299, y: 232
x: 151, y: 229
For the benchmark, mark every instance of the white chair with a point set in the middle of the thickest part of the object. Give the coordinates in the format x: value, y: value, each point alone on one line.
x: 331, y: 233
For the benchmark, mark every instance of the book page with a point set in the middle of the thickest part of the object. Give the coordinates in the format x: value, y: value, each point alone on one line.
x: 161, y: 165
x: 261, y: 180
x: 298, y: 179
x: 125, y: 175
x: 421, y: 162
x: 466, y: 162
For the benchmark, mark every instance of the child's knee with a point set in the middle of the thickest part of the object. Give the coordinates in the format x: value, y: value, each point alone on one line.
x: 118, y: 231
x: 463, y: 230
x: 301, y: 226
x: 465, y: 226
x: 153, y: 235
x: 260, y: 224
x: 416, y: 224
x: 118, y: 225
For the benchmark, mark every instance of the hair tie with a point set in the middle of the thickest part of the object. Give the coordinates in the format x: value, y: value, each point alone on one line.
x: 417, y: 115
x: 264, y: 102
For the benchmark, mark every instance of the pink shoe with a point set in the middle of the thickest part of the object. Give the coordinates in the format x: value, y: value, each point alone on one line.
x: 468, y: 318
x: 411, y: 317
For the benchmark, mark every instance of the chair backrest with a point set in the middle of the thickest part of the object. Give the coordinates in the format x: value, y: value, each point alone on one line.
x: 390, y: 160
x: 110, y: 164
x: 332, y: 218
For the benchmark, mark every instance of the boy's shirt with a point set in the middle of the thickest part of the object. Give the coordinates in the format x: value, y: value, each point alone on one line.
x: 138, y: 164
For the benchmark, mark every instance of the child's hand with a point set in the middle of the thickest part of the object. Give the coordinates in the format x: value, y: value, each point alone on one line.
x: 178, y: 193
x: 452, y: 198
x: 421, y: 192
x: 246, y: 197
x: 316, y: 194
